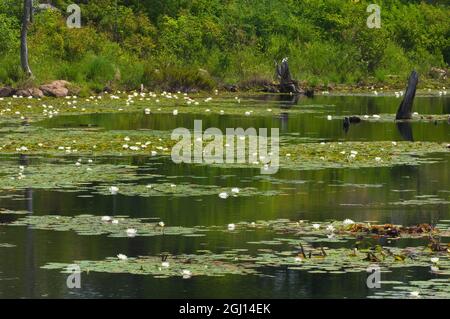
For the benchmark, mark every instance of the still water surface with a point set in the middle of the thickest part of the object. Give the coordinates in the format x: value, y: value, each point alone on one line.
x: 369, y: 194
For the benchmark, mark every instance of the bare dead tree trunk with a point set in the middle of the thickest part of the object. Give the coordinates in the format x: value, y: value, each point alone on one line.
x: 26, y: 20
x: 405, y: 110
x: 287, y: 84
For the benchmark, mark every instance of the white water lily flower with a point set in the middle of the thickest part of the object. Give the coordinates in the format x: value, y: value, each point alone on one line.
x: 247, y: 113
x: 330, y: 228
x: 161, y: 224
x: 186, y: 274
x: 329, y: 118
x: 165, y: 264
x: 115, y: 221
x: 126, y: 139
x: 131, y: 232
x: 175, y: 112
x: 231, y: 226
x: 224, y: 195
x: 298, y: 260
x: 316, y: 226
x: 235, y: 190
x: 122, y: 257
x: 114, y: 190
x: 434, y: 260
x: 348, y: 222
x: 106, y: 219
x: 378, y: 159
x: 414, y: 293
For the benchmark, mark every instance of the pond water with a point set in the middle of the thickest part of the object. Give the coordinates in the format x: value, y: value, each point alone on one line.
x: 313, y: 123
x: 405, y: 195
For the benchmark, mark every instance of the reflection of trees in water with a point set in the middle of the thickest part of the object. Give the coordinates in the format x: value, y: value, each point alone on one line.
x: 405, y: 131
x: 29, y: 240
x: 284, y: 117
x: 285, y: 101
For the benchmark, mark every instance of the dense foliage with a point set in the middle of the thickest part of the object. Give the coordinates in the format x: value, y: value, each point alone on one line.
x: 202, y: 43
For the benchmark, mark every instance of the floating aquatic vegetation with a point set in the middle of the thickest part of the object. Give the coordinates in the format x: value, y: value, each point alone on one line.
x: 150, y: 142
x: 15, y: 111
x: 13, y: 212
x: 302, y: 250
x: 182, y: 189
x: 83, y: 174
x: 118, y: 226
x: 335, y: 261
x: 436, y: 288
x: 357, y: 154
x: 336, y: 231
x: 393, y: 231
x: 183, y: 266
x: 421, y: 202
x: 344, y: 259
x: 357, y: 185
x: 59, y: 142
x: 304, y: 231
x: 6, y: 245
x: 392, y: 118
x: 62, y: 175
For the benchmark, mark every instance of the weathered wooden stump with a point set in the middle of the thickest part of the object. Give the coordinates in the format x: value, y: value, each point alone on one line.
x: 405, y: 110
x: 287, y: 84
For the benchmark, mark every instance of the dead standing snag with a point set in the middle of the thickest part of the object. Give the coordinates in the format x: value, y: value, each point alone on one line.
x: 405, y: 110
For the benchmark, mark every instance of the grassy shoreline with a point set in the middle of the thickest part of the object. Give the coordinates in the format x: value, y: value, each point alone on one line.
x: 425, y: 85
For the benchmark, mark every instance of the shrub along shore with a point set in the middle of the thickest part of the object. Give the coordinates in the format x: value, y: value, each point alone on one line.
x: 203, y: 45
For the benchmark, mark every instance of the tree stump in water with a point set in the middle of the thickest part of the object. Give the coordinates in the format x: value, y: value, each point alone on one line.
x: 405, y: 110
x: 287, y: 84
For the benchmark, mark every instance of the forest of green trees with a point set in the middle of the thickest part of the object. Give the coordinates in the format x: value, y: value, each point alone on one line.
x: 207, y: 43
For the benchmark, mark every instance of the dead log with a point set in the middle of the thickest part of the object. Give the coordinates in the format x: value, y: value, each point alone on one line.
x: 405, y: 110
